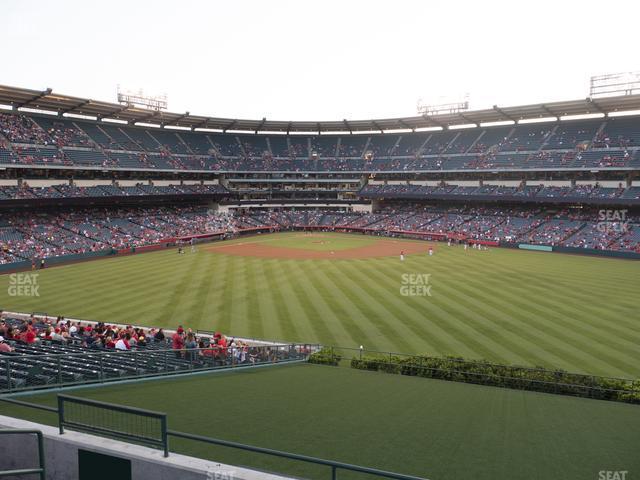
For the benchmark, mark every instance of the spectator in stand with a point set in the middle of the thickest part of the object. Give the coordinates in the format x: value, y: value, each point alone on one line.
x: 30, y: 335
x: 123, y: 343
x: 177, y: 341
x: 4, y: 346
x: 109, y: 343
x: 191, y: 347
x: 159, y: 337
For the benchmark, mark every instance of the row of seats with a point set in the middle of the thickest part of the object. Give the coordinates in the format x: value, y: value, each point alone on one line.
x: 606, y: 143
x: 529, y: 191
x: 66, y: 190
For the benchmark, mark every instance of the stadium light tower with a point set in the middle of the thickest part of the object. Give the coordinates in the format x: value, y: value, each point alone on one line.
x: 137, y: 98
x: 443, y: 106
x: 614, y: 84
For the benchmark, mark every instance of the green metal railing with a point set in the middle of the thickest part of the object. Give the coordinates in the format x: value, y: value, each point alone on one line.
x: 117, y: 421
x: 334, y: 466
x: 90, y: 416
x: 41, y: 470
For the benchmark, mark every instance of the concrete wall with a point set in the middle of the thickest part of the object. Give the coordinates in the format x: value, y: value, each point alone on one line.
x: 45, y: 183
x: 91, y: 183
x: 61, y: 453
x: 503, y: 183
x: 550, y: 183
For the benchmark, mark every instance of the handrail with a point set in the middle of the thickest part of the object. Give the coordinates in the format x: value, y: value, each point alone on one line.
x: 160, y: 441
x: 165, y: 433
x: 295, y: 456
x: 28, y: 404
x: 41, y: 471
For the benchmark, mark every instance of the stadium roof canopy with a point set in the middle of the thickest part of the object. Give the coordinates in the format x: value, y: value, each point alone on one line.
x: 48, y: 100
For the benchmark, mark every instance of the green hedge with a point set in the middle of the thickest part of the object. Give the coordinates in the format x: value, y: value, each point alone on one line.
x: 326, y: 356
x: 539, y: 379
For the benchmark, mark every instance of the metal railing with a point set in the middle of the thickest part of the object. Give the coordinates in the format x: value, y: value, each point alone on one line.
x: 41, y: 470
x: 30, y: 371
x: 335, y: 466
x: 94, y: 417
x: 90, y: 416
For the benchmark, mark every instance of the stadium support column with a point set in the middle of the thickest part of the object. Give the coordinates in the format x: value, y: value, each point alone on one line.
x: 222, y: 179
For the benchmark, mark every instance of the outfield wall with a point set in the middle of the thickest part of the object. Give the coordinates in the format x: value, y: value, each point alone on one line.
x: 62, y: 453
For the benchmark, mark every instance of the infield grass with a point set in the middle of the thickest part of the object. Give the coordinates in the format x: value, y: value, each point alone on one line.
x: 510, y: 306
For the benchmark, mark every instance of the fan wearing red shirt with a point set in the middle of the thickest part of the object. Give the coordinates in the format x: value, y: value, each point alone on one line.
x: 30, y: 336
x: 178, y: 343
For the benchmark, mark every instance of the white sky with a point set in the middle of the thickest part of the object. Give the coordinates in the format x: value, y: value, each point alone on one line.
x: 320, y: 60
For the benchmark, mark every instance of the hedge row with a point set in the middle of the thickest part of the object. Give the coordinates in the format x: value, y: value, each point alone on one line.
x: 325, y: 356
x: 508, y: 376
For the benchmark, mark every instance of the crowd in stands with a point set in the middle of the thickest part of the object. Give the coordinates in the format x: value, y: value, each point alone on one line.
x: 32, y: 237
x: 112, y: 190
x: 582, y: 144
x: 91, y: 336
x: 37, y: 236
x: 580, y: 192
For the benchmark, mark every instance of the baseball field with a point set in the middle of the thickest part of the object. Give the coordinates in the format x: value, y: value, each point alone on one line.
x: 573, y: 312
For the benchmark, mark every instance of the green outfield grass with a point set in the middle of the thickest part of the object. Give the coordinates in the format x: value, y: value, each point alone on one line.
x: 573, y: 312
x: 436, y: 429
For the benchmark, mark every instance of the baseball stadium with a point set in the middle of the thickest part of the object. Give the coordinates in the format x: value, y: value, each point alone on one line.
x: 447, y: 295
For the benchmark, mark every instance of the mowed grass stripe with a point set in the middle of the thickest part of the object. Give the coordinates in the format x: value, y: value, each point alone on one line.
x: 520, y: 279
x: 266, y: 300
x: 436, y: 318
x: 239, y: 311
x: 342, y: 274
x: 568, y: 337
x: 224, y: 314
x: 358, y: 330
x: 308, y: 300
x: 480, y: 343
x: 275, y: 277
x: 494, y: 357
x: 298, y: 317
x: 205, y: 294
x: 397, y: 333
x: 538, y: 346
x: 535, y: 345
x: 492, y: 294
x: 597, y: 322
x: 421, y: 327
x: 477, y: 313
x: 255, y: 326
x: 578, y: 335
